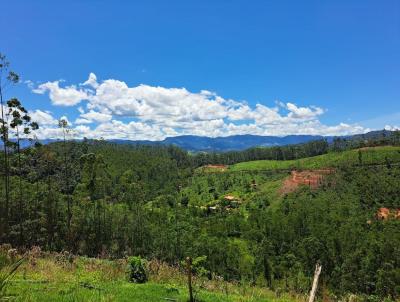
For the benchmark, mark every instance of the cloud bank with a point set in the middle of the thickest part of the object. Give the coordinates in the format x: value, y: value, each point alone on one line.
x: 112, y: 110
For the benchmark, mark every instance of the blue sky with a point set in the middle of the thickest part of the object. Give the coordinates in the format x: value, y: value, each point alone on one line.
x: 269, y: 67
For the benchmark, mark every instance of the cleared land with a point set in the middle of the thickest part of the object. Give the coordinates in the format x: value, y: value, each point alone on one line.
x: 271, y: 179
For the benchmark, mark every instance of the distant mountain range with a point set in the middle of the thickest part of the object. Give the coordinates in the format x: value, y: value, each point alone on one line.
x: 195, y: 143
x: 229, y: 143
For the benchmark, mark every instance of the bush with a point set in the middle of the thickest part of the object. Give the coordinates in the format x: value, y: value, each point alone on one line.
x: 137, y: 270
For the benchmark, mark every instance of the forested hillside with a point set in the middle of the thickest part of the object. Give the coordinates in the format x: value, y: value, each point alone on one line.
x: 94, y: 198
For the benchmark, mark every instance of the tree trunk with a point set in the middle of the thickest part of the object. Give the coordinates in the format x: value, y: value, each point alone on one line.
x: 21, y: 208
x: 189, y: 273
x: 6, y: 167
x: 317, y: 272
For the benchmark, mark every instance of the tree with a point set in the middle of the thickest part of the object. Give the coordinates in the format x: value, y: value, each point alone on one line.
x: 96, y: 183
x: 7, y: 78
x: 18, y: 118
x: 63, y: 124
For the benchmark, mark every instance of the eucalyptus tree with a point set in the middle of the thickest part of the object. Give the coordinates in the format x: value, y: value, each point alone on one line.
x: 7, y: 78
x: 20, y: 124
x: 67, y: 190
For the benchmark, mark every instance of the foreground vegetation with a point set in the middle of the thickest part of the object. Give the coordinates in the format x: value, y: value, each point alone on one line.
x: 57, y: 277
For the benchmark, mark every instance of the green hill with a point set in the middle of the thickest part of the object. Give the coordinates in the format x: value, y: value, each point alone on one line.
x: 368, y: 156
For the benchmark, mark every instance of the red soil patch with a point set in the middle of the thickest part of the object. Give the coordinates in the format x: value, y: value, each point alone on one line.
x: 385, y: 213
x: 229, y: 197
x: 311, y: 178
x: 232, y: 199
x: 215, y: 167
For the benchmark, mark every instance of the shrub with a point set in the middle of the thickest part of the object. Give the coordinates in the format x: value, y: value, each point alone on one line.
x: 137, y: 270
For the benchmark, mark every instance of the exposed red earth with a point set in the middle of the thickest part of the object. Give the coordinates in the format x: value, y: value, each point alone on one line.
x: 219, y: 168
x: 311, y: 178
x: 230, y: 197
x: 386, y: 213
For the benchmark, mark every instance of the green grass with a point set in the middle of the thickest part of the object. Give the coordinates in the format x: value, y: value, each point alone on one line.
x: 106, y: 291
x: 370, y: 156
x: 271, y: 190
x: 94, y: 280
x: 121, y: 292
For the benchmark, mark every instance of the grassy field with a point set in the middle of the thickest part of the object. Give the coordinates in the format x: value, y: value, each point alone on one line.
x: 369, y: 156
x: 51, y: 280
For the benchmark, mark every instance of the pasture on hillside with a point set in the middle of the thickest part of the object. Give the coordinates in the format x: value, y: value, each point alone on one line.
x: 364, y: 156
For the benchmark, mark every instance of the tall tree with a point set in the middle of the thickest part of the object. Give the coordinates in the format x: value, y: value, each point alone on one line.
x: 7, y: 78
x: 19, y: 120
x: 63, y: 125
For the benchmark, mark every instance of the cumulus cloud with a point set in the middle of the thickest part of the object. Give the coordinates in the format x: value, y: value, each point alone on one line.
x: 96, y: 116
x: 80, y: 121
x: 303, y: 112
x: 91, y: 81
x: 65, y: 118
x: 43, y: 118
x: 112, y: 109
x: 392, y: 128
x: 67, y: 96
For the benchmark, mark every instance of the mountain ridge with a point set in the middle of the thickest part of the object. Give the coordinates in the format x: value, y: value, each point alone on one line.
x: 194, y: 143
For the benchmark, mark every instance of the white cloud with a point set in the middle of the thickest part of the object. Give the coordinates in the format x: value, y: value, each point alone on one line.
x: 65, y: 118
x: 96, y: 116
x: 115, y: 110
x: 43, y: 118
x: 303, y: 112
x: 68, y: 96
x: 83, y: 131
x: 91, y: 81
x: 392, y: 128
x: 82, y: 121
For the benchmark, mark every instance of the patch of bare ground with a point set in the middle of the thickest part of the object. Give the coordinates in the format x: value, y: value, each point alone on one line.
x: 386, y: 213
x: 372, y: 147
x: 311, y: 178
x: 214, y: 168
